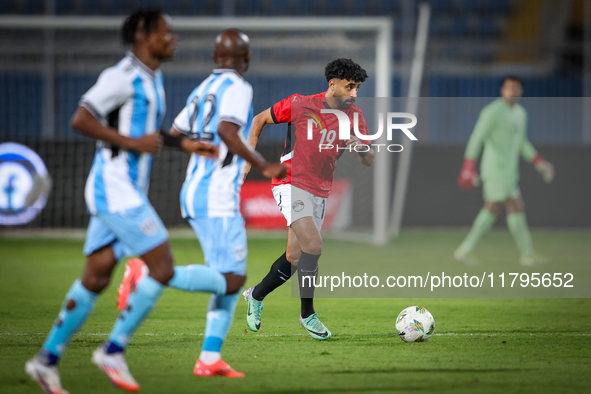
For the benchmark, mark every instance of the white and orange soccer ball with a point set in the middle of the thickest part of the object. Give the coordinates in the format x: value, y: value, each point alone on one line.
x: 415, y: 324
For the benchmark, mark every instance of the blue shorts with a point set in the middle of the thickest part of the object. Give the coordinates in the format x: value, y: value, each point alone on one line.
x: 223, y: 241
x: 130, y: 233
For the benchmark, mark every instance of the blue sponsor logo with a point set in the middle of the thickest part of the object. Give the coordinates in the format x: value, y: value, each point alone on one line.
x: 24, y: 184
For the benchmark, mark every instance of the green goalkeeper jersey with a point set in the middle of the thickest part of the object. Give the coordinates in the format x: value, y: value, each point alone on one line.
x: 501, y: 128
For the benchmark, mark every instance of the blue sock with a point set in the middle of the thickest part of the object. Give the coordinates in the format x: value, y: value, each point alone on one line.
x: 141, y: 302
x: 48, y: 358
x: 68, y: 322
x: 198, y: 277
x: 220, y: 315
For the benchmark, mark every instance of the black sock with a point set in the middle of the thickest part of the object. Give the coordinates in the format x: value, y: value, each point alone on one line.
x: 280, y: 272
x: 307, y: 267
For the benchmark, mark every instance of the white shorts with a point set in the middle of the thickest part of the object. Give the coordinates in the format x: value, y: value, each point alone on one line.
x: 304, y: 204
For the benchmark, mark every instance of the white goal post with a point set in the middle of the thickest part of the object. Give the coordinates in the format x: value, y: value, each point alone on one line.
x: 382, y: 27
x: 414, y: 90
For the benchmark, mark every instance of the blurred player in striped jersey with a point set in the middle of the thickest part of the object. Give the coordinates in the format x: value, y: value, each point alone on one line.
x: 302, y: 194
x: 218, y: 111
x: 501, y: 128
x: 123, y: 111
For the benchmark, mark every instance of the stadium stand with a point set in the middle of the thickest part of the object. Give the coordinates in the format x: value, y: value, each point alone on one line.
x: 462, y: 32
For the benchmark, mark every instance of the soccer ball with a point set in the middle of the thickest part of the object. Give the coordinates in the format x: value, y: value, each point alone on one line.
x: 415, y: 324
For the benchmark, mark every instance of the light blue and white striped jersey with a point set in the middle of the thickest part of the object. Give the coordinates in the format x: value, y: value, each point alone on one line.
x: 212, y: 186
x: 129, y: 97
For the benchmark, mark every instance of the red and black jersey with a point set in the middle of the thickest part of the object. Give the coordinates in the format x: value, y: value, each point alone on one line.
x: 310, y: 167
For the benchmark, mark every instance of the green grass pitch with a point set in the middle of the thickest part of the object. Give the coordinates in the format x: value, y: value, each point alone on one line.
x: 481, y: 345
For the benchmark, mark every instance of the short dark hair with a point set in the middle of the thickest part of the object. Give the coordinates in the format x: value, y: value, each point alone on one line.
x: 510, y: 78
x: 345, y: 69
x: 144, y: 20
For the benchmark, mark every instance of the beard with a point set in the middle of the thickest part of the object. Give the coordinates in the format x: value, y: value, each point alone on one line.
x: 344, y: 102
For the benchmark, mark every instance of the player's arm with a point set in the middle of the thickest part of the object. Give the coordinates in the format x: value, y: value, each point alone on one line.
x: 280, y: 112
x: 87, y: 124
x: 468, y: 177
x: 111, y: 90
x: 258, y: 123
x: 481, y: 131
x: 178, y: 137
x: 234, y: 109
x: 175, y: 139
x: 529, y: 153
x: 365, y: 153
x: 228, y: 132
x: 364, y: 150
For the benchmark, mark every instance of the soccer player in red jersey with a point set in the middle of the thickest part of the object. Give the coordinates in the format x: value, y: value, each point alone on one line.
x: 302, y: 194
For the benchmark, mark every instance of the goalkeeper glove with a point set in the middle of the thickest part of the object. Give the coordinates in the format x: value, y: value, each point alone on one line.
x: 545, y: 169
x: 468, y: 177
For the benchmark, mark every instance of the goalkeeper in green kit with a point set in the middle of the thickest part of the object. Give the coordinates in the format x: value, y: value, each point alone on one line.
x: 501, y: 128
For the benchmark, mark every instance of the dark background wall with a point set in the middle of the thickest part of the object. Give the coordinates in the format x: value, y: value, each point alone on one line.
x: 21, y: 98
x: 433, y: 198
